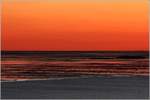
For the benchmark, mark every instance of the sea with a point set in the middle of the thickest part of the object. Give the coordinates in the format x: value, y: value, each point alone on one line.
x: 43, y: 65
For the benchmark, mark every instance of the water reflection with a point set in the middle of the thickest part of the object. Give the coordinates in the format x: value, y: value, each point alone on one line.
x: 16, y: 67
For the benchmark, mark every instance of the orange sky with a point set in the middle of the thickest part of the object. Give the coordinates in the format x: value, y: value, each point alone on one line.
x: 75, y: 25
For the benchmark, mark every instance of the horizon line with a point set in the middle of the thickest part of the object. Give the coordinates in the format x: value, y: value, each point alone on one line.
x: 74, y: 50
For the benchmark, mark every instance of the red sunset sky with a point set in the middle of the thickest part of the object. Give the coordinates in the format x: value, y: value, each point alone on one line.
x: 74, y: 25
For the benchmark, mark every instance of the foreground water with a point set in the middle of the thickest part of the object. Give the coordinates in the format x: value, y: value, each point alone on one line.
x: 54, y: 65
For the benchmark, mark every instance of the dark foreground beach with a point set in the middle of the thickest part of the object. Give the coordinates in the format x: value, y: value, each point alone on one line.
x: 103, y: 87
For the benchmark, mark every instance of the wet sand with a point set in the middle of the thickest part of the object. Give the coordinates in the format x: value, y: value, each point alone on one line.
x: 104, y: 87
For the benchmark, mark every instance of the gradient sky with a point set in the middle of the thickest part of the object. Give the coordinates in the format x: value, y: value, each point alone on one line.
x: 75, y: 25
